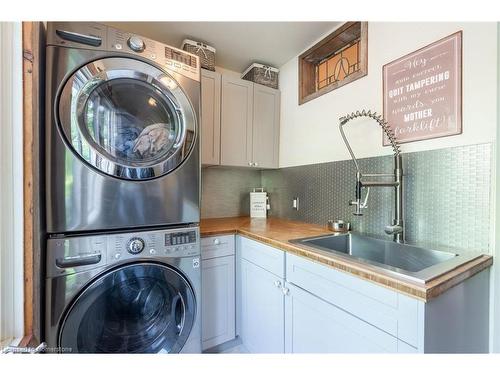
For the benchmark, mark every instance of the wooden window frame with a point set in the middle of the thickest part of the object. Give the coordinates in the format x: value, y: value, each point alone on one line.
x: 340, y: 37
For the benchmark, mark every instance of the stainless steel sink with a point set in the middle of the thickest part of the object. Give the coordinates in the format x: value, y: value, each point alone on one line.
x: 416, y: 263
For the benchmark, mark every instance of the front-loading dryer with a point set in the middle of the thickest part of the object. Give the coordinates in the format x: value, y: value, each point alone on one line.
x: 124, y: 292
x: 121, y: 131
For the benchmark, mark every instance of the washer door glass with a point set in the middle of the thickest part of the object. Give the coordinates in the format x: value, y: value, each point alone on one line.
x: 139, y: 308
x: 127, y: 118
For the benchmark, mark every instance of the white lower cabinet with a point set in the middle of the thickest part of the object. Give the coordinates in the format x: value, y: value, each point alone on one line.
x: 319, y: 309
x: 218, y: 291
x: 260, y: 299
x: 361, y: 313
x: 262, y: 303
x: 297, y: 315
x: 315, y: 326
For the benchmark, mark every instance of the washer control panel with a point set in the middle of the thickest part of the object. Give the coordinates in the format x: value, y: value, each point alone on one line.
x: 169, y: 243
x: 135, y: 245
x: 67, y: 255
x: 180, y: 238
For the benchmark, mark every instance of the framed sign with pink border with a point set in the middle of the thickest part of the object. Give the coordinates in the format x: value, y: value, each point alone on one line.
x: 423, y: 92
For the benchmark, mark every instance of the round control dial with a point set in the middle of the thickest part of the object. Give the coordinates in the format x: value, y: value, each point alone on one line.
x: 135, y: 245
x: 136, y: 44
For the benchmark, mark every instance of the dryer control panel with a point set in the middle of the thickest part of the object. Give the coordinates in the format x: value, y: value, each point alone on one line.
x: 81, y: 253
x: 96, y: 36
x: 170, y: 58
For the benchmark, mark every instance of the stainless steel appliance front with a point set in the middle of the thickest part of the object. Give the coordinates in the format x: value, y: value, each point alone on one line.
x: 124, y: 293
x: 121, y: 134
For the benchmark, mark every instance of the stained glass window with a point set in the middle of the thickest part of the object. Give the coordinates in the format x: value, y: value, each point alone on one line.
x: 338, y: 66
x: 338, y: 59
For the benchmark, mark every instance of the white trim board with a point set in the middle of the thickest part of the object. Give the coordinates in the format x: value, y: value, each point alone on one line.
x: 11, y: 186
x: 495, y: 279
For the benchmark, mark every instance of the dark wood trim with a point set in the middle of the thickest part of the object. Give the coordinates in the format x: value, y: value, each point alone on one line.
x: 32, y: 63
x: 26, y: 341
x: 310, y: 58
x: 316, y: 53
x: 28, y: 175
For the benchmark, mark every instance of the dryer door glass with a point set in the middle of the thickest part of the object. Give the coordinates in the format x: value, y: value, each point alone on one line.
x: 131, y: 121
x: 127, y: 118
x: 139, y: 308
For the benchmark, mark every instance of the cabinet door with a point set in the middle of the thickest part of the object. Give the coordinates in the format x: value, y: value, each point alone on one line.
x: 262, y: 310
x: 210, y: 117
x: 266, y: 126
x: 236, y: 122
x: 315, y: 326
x: 218, y: 302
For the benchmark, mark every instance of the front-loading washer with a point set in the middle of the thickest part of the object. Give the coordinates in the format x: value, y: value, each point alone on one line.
x: 121, y: 131
x: 133, y: 292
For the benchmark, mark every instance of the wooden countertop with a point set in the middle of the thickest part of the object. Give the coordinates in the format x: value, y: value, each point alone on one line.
x: 277, y: 232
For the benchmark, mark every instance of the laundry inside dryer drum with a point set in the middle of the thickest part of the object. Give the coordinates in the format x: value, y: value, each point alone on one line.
x: 130, y: 120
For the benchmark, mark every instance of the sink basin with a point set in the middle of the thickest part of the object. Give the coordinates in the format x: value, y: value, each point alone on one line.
x: 417, y: 263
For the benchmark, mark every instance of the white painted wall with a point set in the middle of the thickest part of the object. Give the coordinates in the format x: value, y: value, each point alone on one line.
x: 227, y: 72
x: 11, y: 185
x: 309, y: 133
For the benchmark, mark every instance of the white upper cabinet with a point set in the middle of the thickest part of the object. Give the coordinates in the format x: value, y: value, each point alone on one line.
x: 210, y: 117
x: 236, y: 122
x: 266, y: 128
x: 240, y: 122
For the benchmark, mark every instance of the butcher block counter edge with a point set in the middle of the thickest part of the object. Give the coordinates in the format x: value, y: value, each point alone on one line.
x: 277, y: 233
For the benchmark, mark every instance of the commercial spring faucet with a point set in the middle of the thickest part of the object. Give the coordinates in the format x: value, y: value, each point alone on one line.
x: 397, y: 227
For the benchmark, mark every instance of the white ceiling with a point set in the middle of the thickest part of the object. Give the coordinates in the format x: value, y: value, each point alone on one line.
x: 238, y: 44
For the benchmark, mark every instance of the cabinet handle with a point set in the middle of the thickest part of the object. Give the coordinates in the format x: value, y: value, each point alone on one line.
x: 285, y: 291
x: 277, y: 284
x: 216, y: 241
x: 255, y: 164
x: 250, y: 164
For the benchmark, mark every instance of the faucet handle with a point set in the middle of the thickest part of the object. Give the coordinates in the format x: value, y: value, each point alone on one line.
x: 393, y: 229
x: 360, y: 205
x: 365, y: 202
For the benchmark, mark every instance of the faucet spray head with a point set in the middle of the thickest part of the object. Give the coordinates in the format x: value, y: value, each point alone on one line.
x: 379, y: 119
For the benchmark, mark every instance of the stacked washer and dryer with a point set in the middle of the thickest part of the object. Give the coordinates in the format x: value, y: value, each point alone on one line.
x: 122, y: 183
